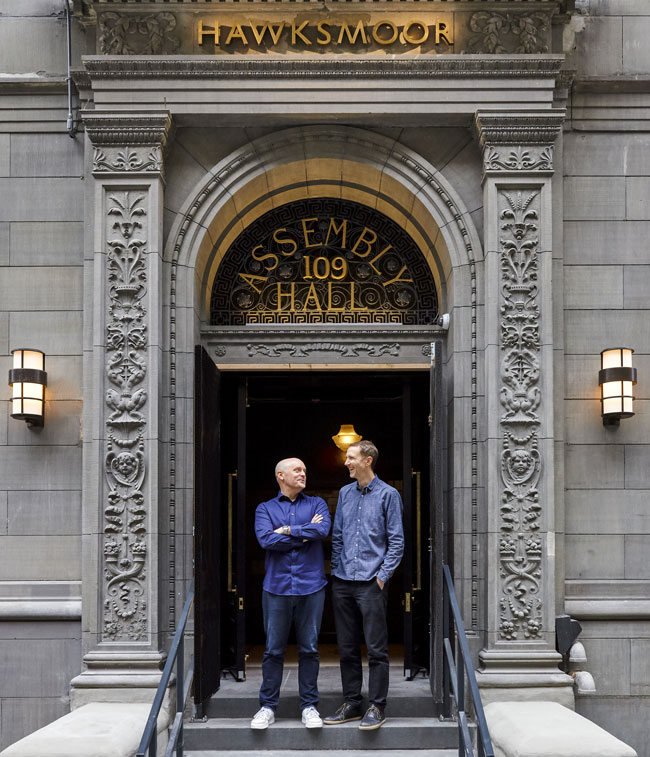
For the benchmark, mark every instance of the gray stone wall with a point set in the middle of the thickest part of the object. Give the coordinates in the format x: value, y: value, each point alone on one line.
x: 606, y: 281
x: 604, y: 272
x: 41, y: 289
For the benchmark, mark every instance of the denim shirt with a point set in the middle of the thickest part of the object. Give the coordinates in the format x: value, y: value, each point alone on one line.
x: 368, y: 537
x: 294, y: 564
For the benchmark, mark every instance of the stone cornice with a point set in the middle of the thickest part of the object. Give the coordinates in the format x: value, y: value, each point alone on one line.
x: 108, y: 129
x: 28, y: 84
x: 627, y: 84
x: 526, y: 127
x: 561, y: 6
x: 268, y: 66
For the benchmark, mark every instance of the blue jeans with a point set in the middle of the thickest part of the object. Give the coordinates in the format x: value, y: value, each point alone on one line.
x: 279, y: 612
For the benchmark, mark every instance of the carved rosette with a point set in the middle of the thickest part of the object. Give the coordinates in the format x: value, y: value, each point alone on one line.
x: 520, y: 546
x: 125, y: 512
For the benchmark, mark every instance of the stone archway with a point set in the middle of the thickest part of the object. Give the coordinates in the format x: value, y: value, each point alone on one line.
x: 148, y: 318
x: 319, y: 161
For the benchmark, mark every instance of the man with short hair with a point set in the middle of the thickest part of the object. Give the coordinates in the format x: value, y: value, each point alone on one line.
x: 291, y: 528
x: 367, y: 547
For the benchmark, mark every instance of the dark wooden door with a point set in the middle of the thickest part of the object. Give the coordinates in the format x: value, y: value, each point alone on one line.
x: 415, y: 465
x: 207, y: 518
x: 240, y: 536
x: 438, y: 519
x: 233, y: 536
x: 409, y: 518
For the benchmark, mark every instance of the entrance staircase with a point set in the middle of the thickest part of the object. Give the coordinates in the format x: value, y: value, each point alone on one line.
x: 411, y: 730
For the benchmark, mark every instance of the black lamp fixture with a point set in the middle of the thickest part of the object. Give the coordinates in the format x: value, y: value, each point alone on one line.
x: 28, y: 380
x: 616, y: 378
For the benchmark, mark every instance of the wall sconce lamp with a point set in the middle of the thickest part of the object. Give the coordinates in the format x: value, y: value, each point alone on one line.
x: 28, y: 380
x: 616, y: 378
x: 345, y: 437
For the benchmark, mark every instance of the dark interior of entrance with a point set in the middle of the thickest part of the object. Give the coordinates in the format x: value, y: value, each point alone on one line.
x: 269, y: 416
x: 244, y: 424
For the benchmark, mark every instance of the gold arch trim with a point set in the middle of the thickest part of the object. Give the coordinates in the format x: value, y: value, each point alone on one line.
x: 318, y: 177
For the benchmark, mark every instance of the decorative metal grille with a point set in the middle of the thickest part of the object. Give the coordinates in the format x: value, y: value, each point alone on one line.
x: 323, y: 260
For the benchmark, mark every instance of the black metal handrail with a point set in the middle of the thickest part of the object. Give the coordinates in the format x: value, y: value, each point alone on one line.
x: 455, y: 671
x: 148, y: 743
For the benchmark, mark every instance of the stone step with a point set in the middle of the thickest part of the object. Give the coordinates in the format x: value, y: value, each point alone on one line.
x: 417, y: 706
x: 240, y: 699
x: 331, y: 753
x: 235, y: 734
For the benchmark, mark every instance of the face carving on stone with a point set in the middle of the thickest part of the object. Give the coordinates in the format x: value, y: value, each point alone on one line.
x: 520, y: 466
x: 521, y: 461
x: 125, y: 468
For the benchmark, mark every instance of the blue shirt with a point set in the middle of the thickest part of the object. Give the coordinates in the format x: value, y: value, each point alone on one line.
x: 368, y: 536
x: 294, y: 564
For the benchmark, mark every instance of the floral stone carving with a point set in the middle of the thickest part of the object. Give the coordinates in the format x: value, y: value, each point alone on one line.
x: 520, y: 546
x: 125, y: 546
x: 141, y: 34
x: 145, y: 159
x: 496, y: 33
x: 518, y: 158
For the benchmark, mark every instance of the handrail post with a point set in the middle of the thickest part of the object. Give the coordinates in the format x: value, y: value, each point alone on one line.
x: 175, y: 657
x: 463, y: 655
x: 180, y: 694
x: 446, y: 685
x: 460, y: 672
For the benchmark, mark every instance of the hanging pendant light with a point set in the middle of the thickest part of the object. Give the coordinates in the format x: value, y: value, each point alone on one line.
x: 346, y: 436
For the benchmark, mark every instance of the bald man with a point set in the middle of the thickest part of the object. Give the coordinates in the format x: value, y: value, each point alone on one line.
x: 291, y: 528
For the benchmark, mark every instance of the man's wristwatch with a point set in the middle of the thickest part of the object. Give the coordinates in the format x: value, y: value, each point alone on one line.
x: 286, y: 530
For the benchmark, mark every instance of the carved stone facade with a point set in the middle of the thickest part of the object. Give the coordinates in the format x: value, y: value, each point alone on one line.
x: 491, y: 31
x: 137, y: 34
x: 498, y: 33
x: 517, y: 165
x: 126, y: 149
x: 127, y: 168
x: 520, y: 548
x: 125, y: 512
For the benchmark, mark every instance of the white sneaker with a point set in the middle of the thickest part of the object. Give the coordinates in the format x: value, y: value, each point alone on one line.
x: 311, y: 718
x: 263, y: 718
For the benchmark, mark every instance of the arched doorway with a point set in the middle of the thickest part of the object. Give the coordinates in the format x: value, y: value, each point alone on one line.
x: 343, y: 167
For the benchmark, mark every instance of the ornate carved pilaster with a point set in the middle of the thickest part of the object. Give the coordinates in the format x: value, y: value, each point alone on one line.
x: 518, y: 168
x: 121, y: 478
x: 128, y: 144
x: 518, y: 143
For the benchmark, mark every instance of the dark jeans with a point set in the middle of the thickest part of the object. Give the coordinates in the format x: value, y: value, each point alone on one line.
x: 279, y: 612
x: 360, y: 609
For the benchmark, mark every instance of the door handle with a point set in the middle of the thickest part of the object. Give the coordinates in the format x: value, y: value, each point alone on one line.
x: 418, y: 530
x: 231, y: 477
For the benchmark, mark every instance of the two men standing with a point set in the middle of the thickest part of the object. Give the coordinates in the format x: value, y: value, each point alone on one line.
x: 367, y: 547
